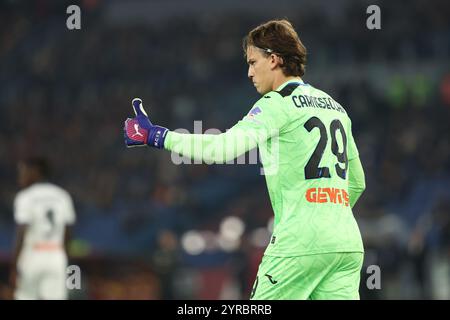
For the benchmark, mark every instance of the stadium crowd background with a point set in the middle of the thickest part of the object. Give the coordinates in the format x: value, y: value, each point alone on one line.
x: 150, y: 229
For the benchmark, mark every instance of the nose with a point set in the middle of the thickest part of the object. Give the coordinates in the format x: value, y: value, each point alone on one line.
x: 250, y: 73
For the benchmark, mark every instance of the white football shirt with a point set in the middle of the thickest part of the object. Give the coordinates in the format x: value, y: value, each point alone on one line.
x: 46, y: 209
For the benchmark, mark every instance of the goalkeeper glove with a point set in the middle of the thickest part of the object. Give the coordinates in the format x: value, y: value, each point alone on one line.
x: 139, y: 131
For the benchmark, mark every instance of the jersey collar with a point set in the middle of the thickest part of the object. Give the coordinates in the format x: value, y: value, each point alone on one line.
x: 290, y: 81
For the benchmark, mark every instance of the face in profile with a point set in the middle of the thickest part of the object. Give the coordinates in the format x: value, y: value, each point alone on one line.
x: 259, y: 70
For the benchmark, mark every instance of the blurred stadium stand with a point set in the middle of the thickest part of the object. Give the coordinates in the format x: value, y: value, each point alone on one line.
x: 149, y: 229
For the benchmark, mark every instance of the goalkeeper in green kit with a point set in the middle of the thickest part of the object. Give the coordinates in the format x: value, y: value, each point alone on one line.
x: 311, y: 164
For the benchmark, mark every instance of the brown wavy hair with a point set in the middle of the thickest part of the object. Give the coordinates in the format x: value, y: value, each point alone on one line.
x: 279, y: 37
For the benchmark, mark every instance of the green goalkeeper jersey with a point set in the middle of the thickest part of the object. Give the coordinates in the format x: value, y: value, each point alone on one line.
x: 305, y: 143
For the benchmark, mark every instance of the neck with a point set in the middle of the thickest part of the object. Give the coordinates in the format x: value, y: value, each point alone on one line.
x: 282, y: 79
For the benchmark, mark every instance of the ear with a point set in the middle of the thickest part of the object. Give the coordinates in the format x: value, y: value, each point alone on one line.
x: 276, y: 61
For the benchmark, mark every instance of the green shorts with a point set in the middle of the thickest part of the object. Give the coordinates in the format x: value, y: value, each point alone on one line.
x: 320, y: 276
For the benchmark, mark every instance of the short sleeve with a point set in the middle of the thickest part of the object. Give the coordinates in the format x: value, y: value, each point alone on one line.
x: 22, y: 209
x: 69, y: 210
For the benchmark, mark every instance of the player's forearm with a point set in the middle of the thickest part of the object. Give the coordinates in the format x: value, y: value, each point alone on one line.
x: 211, y: 148
x: 67, y: 238
x: 208, y: 148
x: 18, y: 244
x: 357, y: 183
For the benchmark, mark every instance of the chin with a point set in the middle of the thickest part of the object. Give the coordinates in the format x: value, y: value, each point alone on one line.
x: 262, y: 92
x: 258, y: 90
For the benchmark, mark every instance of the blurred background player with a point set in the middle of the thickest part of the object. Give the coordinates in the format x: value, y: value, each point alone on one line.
x: 43, y: 213
x: 313, y: 174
